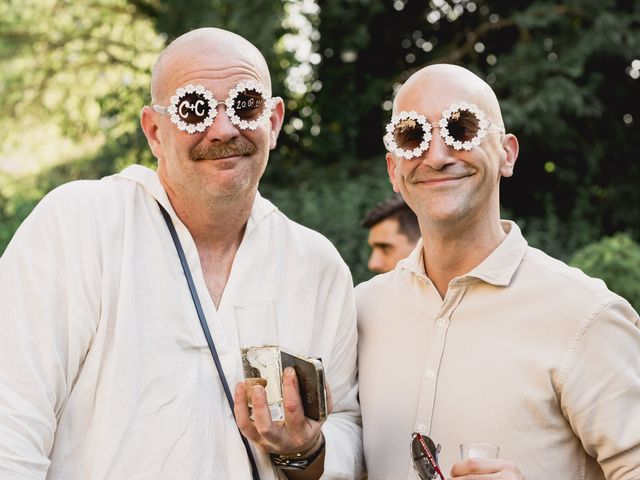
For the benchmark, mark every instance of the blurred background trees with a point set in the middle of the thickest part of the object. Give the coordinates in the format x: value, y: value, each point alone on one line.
x: 75, y: 75
x: 614, y: 259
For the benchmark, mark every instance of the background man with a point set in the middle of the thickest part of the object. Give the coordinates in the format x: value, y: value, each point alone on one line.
x: 104, y: 369
x: 393, y: 233
x: 476, y: 337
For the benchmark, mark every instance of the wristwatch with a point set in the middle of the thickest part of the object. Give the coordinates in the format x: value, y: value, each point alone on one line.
x: 298, y: 461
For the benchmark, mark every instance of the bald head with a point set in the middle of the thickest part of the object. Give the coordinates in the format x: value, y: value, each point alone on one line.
x: 207, y: 46
x: 456, y: 81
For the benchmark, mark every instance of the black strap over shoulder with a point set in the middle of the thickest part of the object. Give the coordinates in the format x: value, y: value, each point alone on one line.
x: 207, y: 333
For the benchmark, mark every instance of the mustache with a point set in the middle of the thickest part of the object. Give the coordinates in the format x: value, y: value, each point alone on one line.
x: 214, y: 151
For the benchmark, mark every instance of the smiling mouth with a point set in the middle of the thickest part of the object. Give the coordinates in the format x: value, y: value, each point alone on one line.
x: 438, y: 181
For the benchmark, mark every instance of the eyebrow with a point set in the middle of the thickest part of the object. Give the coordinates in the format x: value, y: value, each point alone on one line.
x: 381, y: 244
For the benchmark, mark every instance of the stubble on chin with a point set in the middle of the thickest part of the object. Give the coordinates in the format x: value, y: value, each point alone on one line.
x: 230, y: 181
x: 439, y: 206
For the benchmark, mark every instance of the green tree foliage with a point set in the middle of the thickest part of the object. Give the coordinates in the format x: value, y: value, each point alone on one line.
x: 616, y: 260
x: 334, y: 204
x: 63, y: 61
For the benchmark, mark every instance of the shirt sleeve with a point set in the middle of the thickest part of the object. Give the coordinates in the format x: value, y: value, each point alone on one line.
x: 48, y: 291
x: 343, y: 428
x: 600, y: 393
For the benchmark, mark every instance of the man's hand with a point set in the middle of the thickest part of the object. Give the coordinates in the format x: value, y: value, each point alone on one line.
x: 489, y: 468
x: 296, y: 434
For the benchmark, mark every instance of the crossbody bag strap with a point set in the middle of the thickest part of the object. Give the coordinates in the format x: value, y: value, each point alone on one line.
x: 207, y: 333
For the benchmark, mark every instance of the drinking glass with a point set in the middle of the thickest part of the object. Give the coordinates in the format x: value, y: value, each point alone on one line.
x: 260, y: 353
x: 479, y: 450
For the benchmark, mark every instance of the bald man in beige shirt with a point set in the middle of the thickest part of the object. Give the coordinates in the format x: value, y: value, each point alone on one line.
x: 477, y: 337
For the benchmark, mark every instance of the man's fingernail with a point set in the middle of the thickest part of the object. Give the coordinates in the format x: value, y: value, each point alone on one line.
x: 250, y: 382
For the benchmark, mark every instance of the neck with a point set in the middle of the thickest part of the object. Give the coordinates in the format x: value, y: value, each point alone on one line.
x: 214, y: 223
x: 456, y: 250
x: 217, y: 228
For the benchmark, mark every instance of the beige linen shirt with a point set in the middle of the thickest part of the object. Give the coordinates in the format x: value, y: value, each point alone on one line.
x: 523, y: 351
x: 105, y: 373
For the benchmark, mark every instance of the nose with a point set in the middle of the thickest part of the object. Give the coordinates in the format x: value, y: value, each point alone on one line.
x: 438, y: 155
x: 376, y: 262
x: 222, y: 129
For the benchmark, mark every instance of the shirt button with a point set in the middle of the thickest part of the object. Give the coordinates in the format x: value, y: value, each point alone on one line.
x: 440, y: 322
x: 431, y: 373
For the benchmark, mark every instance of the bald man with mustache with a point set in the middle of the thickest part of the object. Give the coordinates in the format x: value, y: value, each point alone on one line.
x: 477, y: 337
x: 120, y: 354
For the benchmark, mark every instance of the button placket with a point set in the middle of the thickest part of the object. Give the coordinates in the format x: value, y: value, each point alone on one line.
x: 435, y: 346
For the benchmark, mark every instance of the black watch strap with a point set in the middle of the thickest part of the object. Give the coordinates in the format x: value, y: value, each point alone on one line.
x: 297, y: 462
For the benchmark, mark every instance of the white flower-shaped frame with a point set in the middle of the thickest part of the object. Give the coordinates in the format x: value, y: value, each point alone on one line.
x: 266, y: 111
x: 192, y: 127
x: 391, y: 144
x: 483, y: 125
x: 241, y: 87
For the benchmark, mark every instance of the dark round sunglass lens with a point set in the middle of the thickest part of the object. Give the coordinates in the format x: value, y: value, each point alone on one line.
x: 408, y: 134
x: 249, y: 105
x: 193, y: 108
x: 463, y: 125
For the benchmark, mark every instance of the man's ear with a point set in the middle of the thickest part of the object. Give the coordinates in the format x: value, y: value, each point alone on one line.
x: 276, y: 119
x: 150, y: 129
x: 391, y: 169
x: 509, y: 154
